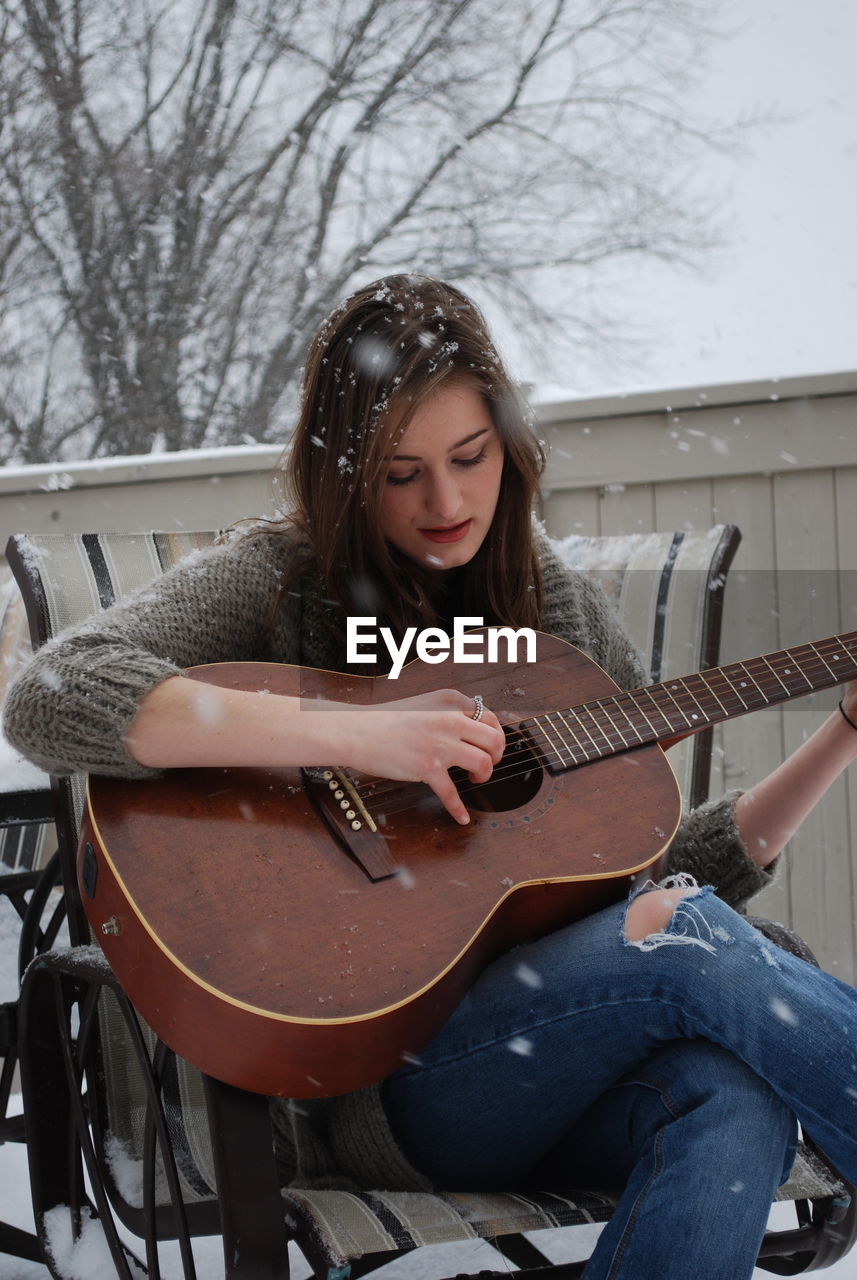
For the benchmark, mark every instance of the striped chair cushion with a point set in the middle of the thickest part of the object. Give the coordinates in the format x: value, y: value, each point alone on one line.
x: 664, y: 587
x: 78, y: 574
x: 342, y: 1225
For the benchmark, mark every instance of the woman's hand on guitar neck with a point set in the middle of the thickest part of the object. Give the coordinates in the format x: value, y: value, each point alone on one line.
x: 770, y: 813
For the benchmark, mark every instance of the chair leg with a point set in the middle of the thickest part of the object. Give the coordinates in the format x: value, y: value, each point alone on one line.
x: 56, y: 1173
x: 20, y: 1244
x: 56, y: 1122
x: 255, y: 1238
x: 14, y: 1241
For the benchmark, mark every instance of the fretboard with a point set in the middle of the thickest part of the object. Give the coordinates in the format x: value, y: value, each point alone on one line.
x: 676, y: 708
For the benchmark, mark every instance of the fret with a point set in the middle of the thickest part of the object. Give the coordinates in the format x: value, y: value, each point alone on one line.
x: 663, y: 690
x: 607, y: 725
x: 618, y: 705
x: 846, y: 652
x: 581, y: 746
x: 552, y: 754
x: 694, y: 715
x: 713, y: 693
x: 734, y: 703
x: 745, y: 684
x: 635, y: 702
x: 544, y: 723
x: 544, y: 750
x: 585, y: 730
x: 793, y: 667
x: 774, y: 674
x: 587, y: 710
x: 789, y: 666
x: 745, y: 705
x: 827, y: 664
x: 673, y: 708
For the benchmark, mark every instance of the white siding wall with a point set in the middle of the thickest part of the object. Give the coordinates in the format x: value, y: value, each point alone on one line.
x: 205, y: 490
x: 780, y: 461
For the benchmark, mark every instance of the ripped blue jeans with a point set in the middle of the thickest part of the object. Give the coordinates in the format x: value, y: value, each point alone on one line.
x: 671, y: 1073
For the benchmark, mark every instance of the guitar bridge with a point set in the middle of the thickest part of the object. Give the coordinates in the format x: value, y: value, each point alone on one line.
x: 340, y: 804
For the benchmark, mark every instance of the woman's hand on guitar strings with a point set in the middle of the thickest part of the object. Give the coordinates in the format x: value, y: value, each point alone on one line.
x: 419, y: 739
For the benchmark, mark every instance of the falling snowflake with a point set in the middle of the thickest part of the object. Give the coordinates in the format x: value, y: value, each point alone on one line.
x: 521, y: 1046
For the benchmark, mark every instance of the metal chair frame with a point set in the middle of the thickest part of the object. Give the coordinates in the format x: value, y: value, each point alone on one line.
x: 29, y: 893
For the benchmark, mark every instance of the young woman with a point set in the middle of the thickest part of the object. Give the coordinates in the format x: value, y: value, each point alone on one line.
x: 662, y: 1047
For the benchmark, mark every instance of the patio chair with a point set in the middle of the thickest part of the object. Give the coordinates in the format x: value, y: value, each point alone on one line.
x: 29, y: 870
x: 120, y: 1131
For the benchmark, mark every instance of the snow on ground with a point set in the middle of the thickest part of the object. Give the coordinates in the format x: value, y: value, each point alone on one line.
x: 91, y: 1262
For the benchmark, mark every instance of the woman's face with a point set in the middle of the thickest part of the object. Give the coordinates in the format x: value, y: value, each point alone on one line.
x: 443, y: 481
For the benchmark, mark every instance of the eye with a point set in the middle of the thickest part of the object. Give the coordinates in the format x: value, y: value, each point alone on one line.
x: 474, y: 461
x: 402, y: 479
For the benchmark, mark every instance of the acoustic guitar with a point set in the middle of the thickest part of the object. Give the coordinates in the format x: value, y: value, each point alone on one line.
x: 301, y: 932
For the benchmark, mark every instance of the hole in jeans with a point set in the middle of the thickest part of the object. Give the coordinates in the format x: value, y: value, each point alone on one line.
x: 672, y: 917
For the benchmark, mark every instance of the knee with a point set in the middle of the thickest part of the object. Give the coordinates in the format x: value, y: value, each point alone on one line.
x: 650, y: 913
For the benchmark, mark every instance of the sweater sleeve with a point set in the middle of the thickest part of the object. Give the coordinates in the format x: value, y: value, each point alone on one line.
x: 69, y: 709
x: 707, y: 845
x: 576, y: 609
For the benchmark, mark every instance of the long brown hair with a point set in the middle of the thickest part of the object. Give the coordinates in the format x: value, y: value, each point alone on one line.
x: 374, y: 361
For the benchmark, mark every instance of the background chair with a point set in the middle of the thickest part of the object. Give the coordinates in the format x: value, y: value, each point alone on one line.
x: 170, y: 1153
x: 30, y: 910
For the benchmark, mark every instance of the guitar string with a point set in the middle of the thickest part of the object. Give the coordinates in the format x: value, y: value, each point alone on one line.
x: 511, y: 767
x: 616, y: 738
x: 619, y: 742
x: 388, y: 799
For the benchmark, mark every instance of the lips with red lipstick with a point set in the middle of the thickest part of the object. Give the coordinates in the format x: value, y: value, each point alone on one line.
x: 449, y: 533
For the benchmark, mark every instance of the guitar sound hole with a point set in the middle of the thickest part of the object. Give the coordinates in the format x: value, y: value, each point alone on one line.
x: 514, y: 782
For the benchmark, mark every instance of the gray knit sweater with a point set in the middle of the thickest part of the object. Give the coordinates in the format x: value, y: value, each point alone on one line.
x: 68, y: 712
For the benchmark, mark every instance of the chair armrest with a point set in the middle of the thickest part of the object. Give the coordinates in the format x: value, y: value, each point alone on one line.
x: 86, y: 963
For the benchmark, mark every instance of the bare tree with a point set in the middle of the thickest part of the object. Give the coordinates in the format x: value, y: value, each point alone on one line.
x: 189, y: 186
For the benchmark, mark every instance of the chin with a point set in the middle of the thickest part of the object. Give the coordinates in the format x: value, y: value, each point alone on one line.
x: 453, y: 559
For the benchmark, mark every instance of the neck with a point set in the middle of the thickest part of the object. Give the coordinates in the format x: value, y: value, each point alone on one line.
x: 677, y: 708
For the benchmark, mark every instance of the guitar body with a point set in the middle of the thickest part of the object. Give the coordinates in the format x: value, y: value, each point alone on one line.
x: 262, y: 950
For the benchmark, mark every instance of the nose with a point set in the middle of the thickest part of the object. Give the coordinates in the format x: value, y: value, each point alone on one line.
x: 444, y: 498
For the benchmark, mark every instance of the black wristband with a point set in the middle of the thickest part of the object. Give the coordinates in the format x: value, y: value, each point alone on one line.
x: 846, y: 716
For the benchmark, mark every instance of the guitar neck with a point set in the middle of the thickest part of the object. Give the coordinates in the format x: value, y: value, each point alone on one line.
x: 675, y: 708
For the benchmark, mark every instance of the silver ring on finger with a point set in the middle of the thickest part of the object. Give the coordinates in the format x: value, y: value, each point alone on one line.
x: 480, y: 706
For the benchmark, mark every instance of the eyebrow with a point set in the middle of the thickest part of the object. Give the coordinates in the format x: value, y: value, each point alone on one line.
x: 414, y: 457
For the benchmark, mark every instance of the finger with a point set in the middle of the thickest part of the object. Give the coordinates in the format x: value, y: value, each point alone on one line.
x: 489, y: 737
x: 472, y: 704
x: 475, y: 708
x: 447, y: 793
x: 477, y: 763
x: 489, y: 717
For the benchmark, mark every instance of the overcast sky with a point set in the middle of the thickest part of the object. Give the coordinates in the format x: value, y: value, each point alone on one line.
x: 782, y: 300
